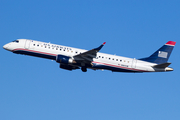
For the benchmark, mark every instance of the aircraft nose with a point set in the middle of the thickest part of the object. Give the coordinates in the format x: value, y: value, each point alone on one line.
x: 5, y: 46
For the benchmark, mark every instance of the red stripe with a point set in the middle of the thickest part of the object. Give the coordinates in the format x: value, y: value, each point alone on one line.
x: 171, y: 43
x: 93, y: 61
x: 120, y: 67
x: 34, y: 51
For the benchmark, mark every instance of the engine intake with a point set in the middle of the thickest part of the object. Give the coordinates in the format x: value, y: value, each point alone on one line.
x: 64, y: 59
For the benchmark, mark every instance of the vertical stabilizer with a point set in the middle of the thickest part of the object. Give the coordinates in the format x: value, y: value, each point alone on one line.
x: 161, y: 55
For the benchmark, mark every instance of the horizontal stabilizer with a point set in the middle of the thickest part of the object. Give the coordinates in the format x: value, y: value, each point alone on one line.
x: 163, y: 65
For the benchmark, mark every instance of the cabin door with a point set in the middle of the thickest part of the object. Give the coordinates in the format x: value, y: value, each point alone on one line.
x: 134, y: 61
x: 27, y: 44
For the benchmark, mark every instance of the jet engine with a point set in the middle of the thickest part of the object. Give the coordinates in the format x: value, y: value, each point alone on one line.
x: 64, y: 59
x: 68, y: 67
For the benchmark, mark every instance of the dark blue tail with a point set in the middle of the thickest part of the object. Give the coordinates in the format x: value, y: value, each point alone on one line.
x: 161, y: 55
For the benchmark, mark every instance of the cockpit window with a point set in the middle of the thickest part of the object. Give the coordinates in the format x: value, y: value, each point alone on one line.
x: 17, y: 41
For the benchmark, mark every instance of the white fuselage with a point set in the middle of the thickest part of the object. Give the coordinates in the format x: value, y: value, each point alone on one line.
x: 101, y: 61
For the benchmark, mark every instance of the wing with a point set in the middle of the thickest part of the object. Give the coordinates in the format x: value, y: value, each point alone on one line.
x: 88, y: 56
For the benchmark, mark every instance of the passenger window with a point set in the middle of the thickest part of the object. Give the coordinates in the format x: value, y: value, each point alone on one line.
x: 60, y: 49
x: 120, y: 60
x: 109, y: 58
x: 102, y: 57
x: 38, y: 45
x: 116, y: 59
x: 34, y: 44
x: 56, y: 48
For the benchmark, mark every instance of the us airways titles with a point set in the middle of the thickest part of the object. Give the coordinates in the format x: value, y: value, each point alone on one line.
x: 56, y: 46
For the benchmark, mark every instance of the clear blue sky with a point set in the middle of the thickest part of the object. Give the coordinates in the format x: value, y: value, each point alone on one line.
x: 36, y: 89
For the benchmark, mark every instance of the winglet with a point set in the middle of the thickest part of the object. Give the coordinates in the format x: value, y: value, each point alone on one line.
x: 99, y: 48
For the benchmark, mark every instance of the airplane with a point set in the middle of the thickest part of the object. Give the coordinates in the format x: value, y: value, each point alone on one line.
x: 73, y: 58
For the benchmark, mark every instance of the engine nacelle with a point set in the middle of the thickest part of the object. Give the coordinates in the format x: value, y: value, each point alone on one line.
x: 66, y: 67
x: 64, y: 59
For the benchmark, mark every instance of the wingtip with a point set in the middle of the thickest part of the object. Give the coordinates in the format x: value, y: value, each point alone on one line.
x: 104, y: 43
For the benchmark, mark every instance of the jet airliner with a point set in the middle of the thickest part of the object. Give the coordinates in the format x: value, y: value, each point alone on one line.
x: 71, y: 58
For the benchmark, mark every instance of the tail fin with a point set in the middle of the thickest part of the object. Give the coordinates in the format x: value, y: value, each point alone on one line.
x: 161, y: 55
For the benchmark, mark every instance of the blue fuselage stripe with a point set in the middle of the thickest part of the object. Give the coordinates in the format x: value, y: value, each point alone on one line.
x: 53, y: 57
x: 35, y: 54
